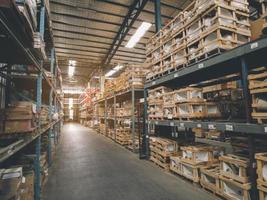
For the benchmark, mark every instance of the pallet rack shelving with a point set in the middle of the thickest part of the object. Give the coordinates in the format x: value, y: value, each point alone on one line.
x: 131, y: 94
x: 238, y: 60
x: 16, y: 49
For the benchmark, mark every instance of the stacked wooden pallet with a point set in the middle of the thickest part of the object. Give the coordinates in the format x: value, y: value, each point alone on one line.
x: 191, y: 104
x: 258, y: 90
x: 228, y: 97
x: 161, y: 150
x: 124, y: 109
x: 102, y: 128
x: 234, y: 179
x: 187, y: 103
x: 123, y: 136
x: 204, y: 29
x: 20, y: 117
x: 132, y: 77
x: 44, y: 115
x: 155, y: 102
x: 261, y: 171
x: 193, y: 159
x: 109, y: 88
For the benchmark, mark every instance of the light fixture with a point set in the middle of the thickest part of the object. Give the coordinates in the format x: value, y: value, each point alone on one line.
x: 114, y: 70
x: 70, y: 103
x: 140, y: 32
x: 71, y: 70
x: 72, y: 62
x: 110, y: 73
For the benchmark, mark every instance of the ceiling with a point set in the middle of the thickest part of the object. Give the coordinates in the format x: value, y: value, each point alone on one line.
x: 84, y: 30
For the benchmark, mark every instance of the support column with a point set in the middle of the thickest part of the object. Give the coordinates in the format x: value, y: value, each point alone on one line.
x: 115, y: 117
x: 133, y: 119
x: 105, y: 117
x: 158, y: 22
x: 50, y: 132
x: 37, y: 171
x: 8, y: 86
x: 145, y: 139
x: 251, y: 144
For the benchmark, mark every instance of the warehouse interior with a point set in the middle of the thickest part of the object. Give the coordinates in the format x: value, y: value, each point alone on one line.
x: 133, y: 99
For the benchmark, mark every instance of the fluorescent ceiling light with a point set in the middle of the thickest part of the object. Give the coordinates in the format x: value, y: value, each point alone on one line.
x: 71, y: 70
x: 118, y: 67
x: 140, y: 32
x: 70, y: 103
x: 114, y: 70
x: 72, y: 62
x: 72, y: 91
x: 110, y: 73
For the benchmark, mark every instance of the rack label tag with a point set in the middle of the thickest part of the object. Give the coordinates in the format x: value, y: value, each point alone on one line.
x: 254, y: 45
x: 199, y: 125
x: 229, y: 127
x: 265, y: 129
x: 175, y: 75
x: 201, y: 65
x: 171, y: 123
x: 154, y: 83
x: 182, y: 125
x: 211, y: 127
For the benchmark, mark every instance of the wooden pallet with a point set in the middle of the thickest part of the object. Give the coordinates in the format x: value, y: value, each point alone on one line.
x: 210, y: 178
x: 234, y: 167
x: 262, y: 192
x: 261, y: 163
x: 199, y: 154
x: 233, y: 190
x: 258, y: 88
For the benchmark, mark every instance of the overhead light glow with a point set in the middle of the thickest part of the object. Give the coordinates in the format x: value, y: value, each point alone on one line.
x: 110, y: 73
x: 72, y: 91
x: 140, y: 32
x: 70, y: 103
x: 114, y: 71
x: 118, y: 67
x: 72, y: 62
x: 71, y: 71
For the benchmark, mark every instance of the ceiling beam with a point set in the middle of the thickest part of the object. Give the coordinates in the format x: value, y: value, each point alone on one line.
x: 83, y: 51
x: 134, y: 11
x: 89, y: 47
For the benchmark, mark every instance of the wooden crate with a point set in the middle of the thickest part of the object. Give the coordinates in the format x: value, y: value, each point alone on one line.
x: 234, y: 167
x: 261, y: 165
x: 258, y: 90
x: 169, y: 111
x: 199, y: 154
x: 189, y: 94
x: 191, y: 172
x: 262, y: 192
x: 210, y: 178
x: 191, y: 110
x: 233, y: 190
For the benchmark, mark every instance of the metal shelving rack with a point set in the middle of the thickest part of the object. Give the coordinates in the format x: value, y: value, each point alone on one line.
x: 238, y: 60
x: 18, y: 51
x: 132, y: 94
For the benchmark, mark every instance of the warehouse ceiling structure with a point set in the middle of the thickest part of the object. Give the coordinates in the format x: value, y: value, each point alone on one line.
x: 94, y: 33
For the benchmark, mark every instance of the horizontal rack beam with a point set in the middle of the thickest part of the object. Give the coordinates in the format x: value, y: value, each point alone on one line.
x: 226, y: 63
x: 17, y: 146
x: 247, y: 128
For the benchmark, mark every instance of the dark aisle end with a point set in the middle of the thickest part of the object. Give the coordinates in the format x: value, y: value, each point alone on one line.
x: 90, y: 167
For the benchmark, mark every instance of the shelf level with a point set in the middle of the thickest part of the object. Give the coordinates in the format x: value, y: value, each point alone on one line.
x: 246, y: 128
x: 224, y: 64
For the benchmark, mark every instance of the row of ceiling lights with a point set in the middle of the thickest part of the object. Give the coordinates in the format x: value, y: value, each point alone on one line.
x: 140, y: 32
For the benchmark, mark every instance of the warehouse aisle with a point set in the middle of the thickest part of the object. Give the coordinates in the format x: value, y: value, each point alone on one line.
x: 89, y: 166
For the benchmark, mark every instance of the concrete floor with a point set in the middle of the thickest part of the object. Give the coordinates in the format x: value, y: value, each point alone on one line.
x: 91, y: 167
